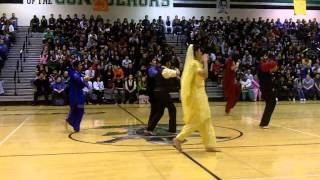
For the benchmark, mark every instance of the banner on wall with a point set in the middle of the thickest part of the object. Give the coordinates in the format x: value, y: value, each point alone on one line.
x: 300, y: 7
x: 100, y: 5
x: 11, y: 1
x: 223, y: 6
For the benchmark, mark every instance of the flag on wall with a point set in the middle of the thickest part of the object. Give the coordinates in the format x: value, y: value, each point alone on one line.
x: 100, y: 5
x: 300, y: 7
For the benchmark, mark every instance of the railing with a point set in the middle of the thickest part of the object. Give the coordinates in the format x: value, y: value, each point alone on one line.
x: 19, y: 66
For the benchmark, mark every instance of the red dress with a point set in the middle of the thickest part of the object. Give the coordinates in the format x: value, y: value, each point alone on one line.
x: 231, y: 87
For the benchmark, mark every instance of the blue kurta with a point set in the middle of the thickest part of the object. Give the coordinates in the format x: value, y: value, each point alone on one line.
x: 77, y: 99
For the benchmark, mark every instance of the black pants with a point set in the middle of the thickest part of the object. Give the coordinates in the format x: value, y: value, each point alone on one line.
x: 56, y: 95
x: 40, y: 93
x: 100, y: 95
x: 270, y: 100
x: 161, y: 101
x: 131, y: 97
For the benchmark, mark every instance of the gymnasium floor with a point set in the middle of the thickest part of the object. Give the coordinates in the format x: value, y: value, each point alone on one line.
x: 34, y: 144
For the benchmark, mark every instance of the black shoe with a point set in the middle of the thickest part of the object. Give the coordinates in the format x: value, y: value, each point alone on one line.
x: 147, y: 133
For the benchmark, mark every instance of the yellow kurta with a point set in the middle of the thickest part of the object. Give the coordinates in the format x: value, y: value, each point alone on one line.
x: 195, y: 105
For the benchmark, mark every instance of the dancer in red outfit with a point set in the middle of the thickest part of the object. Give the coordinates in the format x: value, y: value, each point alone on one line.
x: 231, y: 86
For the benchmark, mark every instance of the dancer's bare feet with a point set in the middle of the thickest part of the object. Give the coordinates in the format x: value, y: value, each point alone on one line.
x: 212, y: 150
x: 177, y: 144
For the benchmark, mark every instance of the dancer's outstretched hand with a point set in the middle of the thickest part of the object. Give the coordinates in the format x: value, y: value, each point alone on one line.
x: 87, y: 78
x: 205, y: 58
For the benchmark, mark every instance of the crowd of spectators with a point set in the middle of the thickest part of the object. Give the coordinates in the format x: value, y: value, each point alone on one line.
x: 294, y: 44
x: 7, y: 35
x: 115, y: 54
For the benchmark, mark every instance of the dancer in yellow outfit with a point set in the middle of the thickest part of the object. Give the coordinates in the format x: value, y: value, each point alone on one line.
x: 195, y: 105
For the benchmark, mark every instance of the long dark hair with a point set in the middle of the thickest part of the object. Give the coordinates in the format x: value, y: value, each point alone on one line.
x: 196, y: 47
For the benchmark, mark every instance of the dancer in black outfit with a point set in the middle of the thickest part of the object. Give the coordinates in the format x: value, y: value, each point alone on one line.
x: 266, y: 87
x: 158, y: 90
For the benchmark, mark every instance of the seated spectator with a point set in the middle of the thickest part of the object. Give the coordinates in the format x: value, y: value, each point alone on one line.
x: 176, y: 24
x: 142, y: 90
x: 44, y: 57
x: 283, y: 92
x: 3, y: 50
x: 142, y: 85
x: 42, y: 86
x: 247, y: 59
x: 246, y: 88
x: 108, y: 77
x: 308, y: 87
x: 41, y: 69
x: 290, y: 86
x: 90, y: 72
x: 317, y: 85
x: 14, y: 21
x: 52, y: 22
x: 130, y: 70
x: 34, y: 23
x: 125, y: 62
x: 298, y: 87
x: 53, y: 76
x: 43, y: 24
x: 58, y: 91
x: 11, y: 32
x: 215, y: 68
x: 168, y: 25
x: 130, y: 90
x: 256, y: 89
x: 88, y: 92
x: 1, y: 87
x: 118, y: 72
x: 98, y: 89
x: 118, y: 88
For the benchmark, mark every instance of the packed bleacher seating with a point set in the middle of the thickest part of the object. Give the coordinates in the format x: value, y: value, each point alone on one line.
x: 118, y: 52
x: 7, y: 35
x: 294, y: 44
x: 115, y: 54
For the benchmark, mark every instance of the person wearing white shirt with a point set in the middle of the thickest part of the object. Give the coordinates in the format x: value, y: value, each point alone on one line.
x: 88, y: 91
x: 90, y: 72
x: 98, y: 89
x: 246, y: 88
x: 126, y: 62
x: 247, y: 59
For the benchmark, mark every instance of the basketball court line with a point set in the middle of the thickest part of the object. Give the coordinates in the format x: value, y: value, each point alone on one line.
x: 282, y: 177
x: 151, y: 150
x: 14, y: 131
x: 184, y: 153
x: 241, y: 103
x: 295, y: 130
x: 291, y: 129
x: 246, y: 164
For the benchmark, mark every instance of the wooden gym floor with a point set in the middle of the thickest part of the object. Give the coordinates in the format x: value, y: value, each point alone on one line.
x: 34, y: 144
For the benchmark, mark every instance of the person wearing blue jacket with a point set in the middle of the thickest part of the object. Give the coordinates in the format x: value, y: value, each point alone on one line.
x: 76, y: 95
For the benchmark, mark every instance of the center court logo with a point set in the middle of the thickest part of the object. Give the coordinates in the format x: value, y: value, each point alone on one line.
x: 125, y: 134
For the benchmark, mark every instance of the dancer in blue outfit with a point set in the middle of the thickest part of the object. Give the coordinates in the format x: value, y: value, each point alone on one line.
x: 76, y: 95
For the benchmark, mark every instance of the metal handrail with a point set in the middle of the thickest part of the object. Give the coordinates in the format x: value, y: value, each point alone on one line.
x: 20, y: 59
x: 15, y: 82
x: 17, y: 70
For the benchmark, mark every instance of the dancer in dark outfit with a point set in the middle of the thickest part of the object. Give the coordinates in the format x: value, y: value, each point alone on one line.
x: 158, y: 90
x: 265, y: 80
